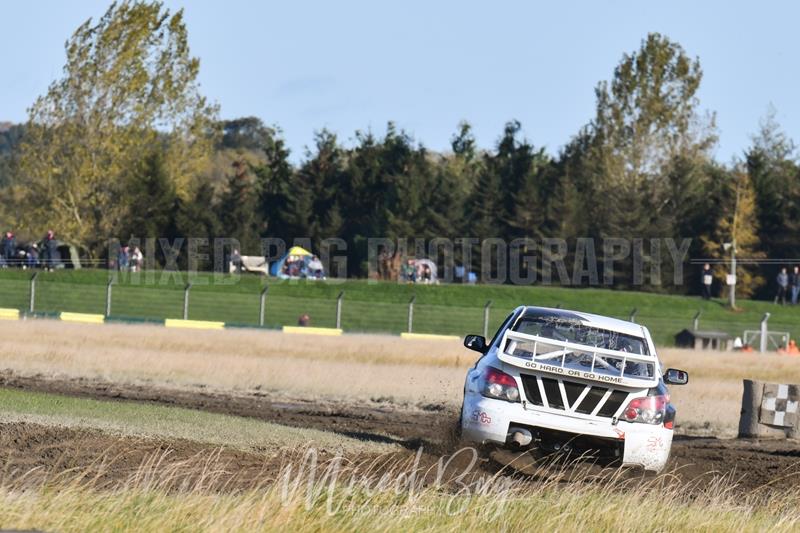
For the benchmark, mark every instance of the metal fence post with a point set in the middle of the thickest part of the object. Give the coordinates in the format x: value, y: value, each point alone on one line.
x: 763, y: 346
x: 33, y: 292
x: 411, y: 313
x: 339, y: 310
x: 108, y: 297
x: 186, y: 301
x: 632, y: 317
x: 262, y: 305
x: 696, y: 320
x: 486, y: 318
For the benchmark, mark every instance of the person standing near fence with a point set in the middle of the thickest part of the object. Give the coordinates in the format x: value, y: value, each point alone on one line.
x: 236, y: 262
x: 50, y: 255
x: 123, y: 258
x: 707, y: 279
x: 137, y: 258
x: 794, y: 284
x: 783, y: 286
x: 9, y: 248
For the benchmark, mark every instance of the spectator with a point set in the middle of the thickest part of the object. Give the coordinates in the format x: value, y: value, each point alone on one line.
x: 794, y: 284
x: 9, y: 248
x: 32, y: 256
x: 304, y: 320
x: 783, y: 285
x: 708, y: 279
x: 791, y: 348
x: 137, y: 258
x: 315, y: 268
x: 426, y: 274
x: 458, y: 273
x: 293, y: 268
x: 236, y: 261
x: 123, y: 258
x: 50, y: 255
x: 408, y: 271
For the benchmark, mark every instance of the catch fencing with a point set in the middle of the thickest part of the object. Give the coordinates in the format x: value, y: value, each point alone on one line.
x: 41, y: 295
x: 260, y: 307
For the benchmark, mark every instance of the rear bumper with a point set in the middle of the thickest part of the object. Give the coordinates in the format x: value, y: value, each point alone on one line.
x: 487, y: 421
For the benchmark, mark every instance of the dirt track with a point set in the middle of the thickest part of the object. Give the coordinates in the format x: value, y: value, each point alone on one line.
x: 695, y: 460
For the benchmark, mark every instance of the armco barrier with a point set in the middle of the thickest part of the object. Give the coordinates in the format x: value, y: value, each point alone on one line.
x: 193, y: 324
x: 9, y: 314
x: 82, y: 317
x: 86, y: 318
x: 429, y: 336
x: 312, y: 331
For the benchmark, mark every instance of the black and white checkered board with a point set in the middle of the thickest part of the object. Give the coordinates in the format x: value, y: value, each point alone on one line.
x: 779, y: 405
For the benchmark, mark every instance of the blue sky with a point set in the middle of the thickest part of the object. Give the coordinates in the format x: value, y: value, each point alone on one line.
x: 354, y: 65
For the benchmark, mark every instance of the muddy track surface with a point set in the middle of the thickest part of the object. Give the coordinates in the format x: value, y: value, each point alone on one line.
x: 696, y: 462
x: 411, y: 428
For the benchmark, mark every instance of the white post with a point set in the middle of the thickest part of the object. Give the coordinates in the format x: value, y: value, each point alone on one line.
x: 486, y: 318
x: 108, y: 297
x: 261, y: 306
x: 411, y: 313
x: 186, y: 301
x: 33, y: 292
x: 764, y: 333
x: 339, y: 310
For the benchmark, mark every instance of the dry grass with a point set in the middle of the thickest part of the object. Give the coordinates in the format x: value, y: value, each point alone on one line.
x: 348, y: 367
x: 156, y: 497
x: 360, y: 366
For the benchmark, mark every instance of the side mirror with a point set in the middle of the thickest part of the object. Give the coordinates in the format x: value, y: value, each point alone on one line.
x: 476, y: 342
x: 673, y: 376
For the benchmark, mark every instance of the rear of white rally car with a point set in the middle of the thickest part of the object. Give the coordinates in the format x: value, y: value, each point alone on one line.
x: 508, y: 403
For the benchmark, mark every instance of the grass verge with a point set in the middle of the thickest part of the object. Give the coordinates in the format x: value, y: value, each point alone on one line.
x: 347, y: 502
x: 141, y: 419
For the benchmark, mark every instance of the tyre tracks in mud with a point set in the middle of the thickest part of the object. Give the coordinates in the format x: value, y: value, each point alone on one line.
x: 696, y: 462
x: 431, y: 427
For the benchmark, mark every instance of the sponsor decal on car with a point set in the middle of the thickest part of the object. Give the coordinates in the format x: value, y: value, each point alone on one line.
x: 655, y: 443
x: 481, y: 416
x: 571, y: 372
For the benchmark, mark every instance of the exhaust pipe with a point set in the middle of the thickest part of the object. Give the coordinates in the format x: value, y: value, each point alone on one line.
x: 520, y: 436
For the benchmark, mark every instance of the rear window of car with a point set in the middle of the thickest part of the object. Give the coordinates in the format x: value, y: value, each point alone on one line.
x: 566, y: 328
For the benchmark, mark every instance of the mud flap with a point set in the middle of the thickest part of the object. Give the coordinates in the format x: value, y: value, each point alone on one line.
x: 483, y: 422
x: 649, y: 449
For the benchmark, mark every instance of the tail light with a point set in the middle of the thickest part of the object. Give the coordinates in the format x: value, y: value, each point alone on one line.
x: 648, y: 410
x: 497, y: 384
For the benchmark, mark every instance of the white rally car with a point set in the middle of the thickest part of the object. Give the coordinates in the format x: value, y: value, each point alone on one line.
x: 554, y: 380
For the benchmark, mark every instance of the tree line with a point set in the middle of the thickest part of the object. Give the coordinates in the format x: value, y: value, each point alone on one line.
x: 125, y: 145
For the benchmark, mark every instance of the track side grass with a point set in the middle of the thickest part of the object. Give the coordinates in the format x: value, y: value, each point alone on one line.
x: 150, y: 420
x: 326, y: 504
